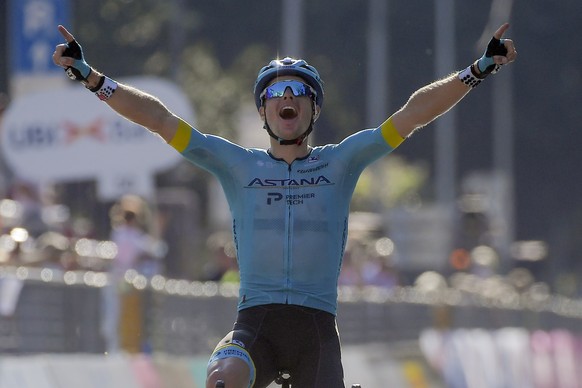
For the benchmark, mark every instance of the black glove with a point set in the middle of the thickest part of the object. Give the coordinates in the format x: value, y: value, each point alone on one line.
x: 485, y: 63
x: 80, y: 70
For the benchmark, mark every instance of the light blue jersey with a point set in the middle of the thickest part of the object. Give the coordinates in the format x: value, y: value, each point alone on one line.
x: 290, y: 221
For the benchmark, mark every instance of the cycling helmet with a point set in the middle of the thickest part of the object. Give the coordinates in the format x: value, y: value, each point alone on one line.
x: 288, y: 66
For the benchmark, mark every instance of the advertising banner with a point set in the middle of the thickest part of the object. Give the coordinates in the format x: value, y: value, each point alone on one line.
x: 67, y: 134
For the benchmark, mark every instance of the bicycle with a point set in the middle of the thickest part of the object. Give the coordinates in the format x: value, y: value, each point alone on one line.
x: 284, y: 380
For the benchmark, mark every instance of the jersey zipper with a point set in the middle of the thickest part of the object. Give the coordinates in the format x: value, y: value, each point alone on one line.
x: 288, y: 232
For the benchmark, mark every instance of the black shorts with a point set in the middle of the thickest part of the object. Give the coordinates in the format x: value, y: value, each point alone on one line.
x: 300, y: 340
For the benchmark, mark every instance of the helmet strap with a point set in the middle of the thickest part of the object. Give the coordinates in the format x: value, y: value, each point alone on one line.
x: 297, y: 141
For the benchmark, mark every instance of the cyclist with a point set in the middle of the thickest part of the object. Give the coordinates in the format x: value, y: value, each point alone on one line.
x: 289, y: 205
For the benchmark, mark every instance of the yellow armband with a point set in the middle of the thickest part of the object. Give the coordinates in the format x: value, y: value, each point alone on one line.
x: 181, y: 138
x: 390, y: 134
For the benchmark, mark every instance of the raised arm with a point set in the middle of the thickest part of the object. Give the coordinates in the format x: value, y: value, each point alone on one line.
x: 431, y: 101
x: 133, y: 104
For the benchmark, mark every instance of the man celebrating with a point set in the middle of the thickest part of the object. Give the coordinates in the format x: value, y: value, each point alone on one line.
x: 289, y: 204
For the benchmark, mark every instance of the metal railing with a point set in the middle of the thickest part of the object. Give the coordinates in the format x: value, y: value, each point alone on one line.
x: 59, y: 312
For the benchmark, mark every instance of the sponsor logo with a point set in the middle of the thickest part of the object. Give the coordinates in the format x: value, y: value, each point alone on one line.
x: 39, y: 136
x: 302, y: 182
x: 292, y: 199
x: 314, y: 169
x: 70, y: 73
x: 274, y: 197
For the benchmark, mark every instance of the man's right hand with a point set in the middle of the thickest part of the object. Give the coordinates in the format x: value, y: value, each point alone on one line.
x: 70, y: 57
x: 499, y: 52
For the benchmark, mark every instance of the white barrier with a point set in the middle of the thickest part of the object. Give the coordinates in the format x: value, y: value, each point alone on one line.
x: 464, y: 358
x: 507, y: 357
x: 27, y: 372
x: 370, y: 365
x: 98, y: 371
x: 92, y: 372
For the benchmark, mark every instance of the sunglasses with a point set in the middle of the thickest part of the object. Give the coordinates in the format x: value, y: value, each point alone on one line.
x: 278, y: 89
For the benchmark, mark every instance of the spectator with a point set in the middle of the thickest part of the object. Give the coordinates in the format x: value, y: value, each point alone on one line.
x: 136, y: 250
x: 27, y: 196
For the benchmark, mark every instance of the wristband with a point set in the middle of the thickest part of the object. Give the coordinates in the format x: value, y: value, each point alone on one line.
x: 105, y: 88
x: 470, y: 77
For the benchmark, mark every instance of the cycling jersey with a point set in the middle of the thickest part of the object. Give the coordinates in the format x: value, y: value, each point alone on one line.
x: 290, y: 221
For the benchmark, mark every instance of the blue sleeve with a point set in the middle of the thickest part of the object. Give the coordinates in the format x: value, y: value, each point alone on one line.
x: 363, y: 148
x: 212, y: 153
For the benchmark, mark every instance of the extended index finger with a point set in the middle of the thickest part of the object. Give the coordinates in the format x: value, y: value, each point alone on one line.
x: 501, y: 30
x: 66, y: 34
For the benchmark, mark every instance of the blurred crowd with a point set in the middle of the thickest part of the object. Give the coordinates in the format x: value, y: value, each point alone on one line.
x: 368, y: 262
x: 38, y: 232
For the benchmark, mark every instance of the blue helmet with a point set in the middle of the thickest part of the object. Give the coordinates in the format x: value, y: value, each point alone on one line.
x: 288, y: 66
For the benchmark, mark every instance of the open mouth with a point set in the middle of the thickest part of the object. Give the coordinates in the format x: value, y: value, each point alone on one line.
x: 287, y: 113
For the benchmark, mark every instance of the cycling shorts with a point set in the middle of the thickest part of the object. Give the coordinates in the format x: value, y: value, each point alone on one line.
x: 299, y: 340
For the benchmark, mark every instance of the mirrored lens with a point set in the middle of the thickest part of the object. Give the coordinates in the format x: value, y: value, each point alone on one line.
x: 278, y: 89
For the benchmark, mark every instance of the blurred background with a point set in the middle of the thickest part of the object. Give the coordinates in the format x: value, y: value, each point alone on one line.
x: 464, y: 243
